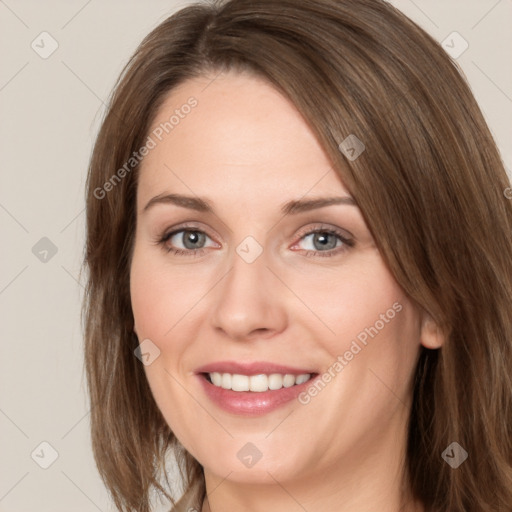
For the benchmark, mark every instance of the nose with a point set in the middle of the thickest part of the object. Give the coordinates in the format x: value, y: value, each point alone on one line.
x: 249, y: 302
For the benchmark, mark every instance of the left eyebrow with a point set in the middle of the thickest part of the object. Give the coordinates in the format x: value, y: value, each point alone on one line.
x: 294, y: 207
x: 290, y: 208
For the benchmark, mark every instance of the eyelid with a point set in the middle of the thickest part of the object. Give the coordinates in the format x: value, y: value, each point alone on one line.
x: 187, y: 226
x: 169, y: 233
x: 325, y: 227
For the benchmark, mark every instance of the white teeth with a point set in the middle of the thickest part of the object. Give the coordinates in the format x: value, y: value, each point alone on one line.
x: 300, y: 379
x: 226, y: 381
x: 257, y: 383
x: 275, y: 381
x: 289, y: 380
x: 239, y: 382
x: 216, y: 378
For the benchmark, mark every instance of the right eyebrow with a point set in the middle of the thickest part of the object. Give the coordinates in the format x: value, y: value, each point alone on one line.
x: 190, y: 202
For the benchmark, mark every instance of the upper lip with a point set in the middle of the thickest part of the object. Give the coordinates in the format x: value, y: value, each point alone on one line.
x: 250, y: 368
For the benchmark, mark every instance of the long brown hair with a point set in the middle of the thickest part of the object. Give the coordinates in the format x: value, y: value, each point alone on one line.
x: 431, y: 187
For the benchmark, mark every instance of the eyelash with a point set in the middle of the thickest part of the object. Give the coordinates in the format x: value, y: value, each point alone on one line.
x: 347, y: 242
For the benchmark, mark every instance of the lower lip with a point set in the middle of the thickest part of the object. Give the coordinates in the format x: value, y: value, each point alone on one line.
x: 251, y: 403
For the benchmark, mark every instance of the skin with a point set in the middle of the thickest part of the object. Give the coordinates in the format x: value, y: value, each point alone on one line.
x: 247, y: 150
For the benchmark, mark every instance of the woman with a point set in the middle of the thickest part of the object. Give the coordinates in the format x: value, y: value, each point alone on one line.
x: 245, y: 142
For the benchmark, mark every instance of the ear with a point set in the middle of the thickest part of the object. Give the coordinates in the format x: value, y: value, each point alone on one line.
x: 431, y: 335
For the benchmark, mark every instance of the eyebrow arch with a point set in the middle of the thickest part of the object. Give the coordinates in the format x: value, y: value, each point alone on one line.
x: 290, y: 208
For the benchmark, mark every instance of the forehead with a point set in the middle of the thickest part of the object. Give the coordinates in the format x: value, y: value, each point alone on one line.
x: 242, y: 138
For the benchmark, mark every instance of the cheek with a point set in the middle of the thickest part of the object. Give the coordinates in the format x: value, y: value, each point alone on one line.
x: 159, y: 298
x: 375, y: 329
x: 158, y: 304
x: 147, y: 303
x: 166, y: 303
x: 355, y: 299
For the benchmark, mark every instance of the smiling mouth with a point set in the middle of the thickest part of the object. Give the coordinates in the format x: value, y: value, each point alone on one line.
x: 256, y: 383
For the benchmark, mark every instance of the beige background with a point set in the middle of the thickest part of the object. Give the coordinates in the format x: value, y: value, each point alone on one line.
x: 50, y: 113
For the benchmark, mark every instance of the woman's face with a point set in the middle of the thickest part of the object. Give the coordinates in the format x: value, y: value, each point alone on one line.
x: 253, y: 290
